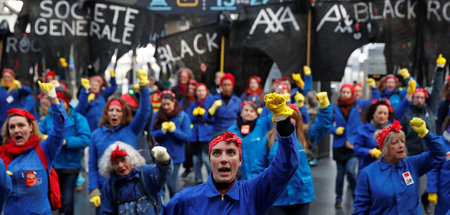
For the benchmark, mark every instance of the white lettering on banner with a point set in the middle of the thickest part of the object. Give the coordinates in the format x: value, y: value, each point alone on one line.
x: 369, y: 10
x: 274, y: 21
x: 62, y: 19
x: 166, y: 55
x: 24, y: 45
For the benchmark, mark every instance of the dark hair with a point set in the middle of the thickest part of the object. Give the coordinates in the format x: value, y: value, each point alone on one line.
x: 253, y: 105
x: 126, y: 112
x: 370, y: 110
x: 167, y: 96
x: 218, y: 134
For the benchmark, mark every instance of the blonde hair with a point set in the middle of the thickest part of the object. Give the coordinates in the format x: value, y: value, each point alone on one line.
x: 7, y: 136
x: 387, y: 142
x: 105, y: 166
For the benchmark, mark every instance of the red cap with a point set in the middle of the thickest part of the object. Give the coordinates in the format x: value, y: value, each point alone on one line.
x: 117, y: 153
x: 10, y: 71
x: 385, y: 131
x: 228, y: 76
x: 227, y: 137
x: 20, y: 112
x: 348, y: 86
x: 421, y: 90
x: 50, y: 74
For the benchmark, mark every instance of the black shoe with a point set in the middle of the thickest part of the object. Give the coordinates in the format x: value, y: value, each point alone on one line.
x: 185, y: 173
x: 338, y: 205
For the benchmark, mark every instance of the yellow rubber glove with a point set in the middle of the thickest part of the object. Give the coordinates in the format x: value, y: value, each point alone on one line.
x: 17, y: 84
x: 165, y: 127
x: 411, y: 86
x: 340, y: 130
x: 195, y: 111
x: 136, y: 88
x: 171, y: 127
x: 63, y: 62
x: 323, y: 99
x: 277, y: 105
x: 64, y: 143
x: 440, y: 62
x: 405, y: 73
x: 213, y: 108
x: 259, y: 110
x: 300, y: 99
x: 298, y: 79
x: 143, y: 78
x: 112, y: 73
x: 371, y: 82
x: 94, y: 197
x: 9, y: 173
x: 201, y: 111
x: 433, y: 198
x: 48, y: 89
x: 376, y: 153
x: 44, y: 137
x: 420, y: 126
x: 307, y: 70
x: 85, y: 83
x: 91, y: 97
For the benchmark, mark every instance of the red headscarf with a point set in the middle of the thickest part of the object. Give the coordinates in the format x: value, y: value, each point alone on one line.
x: 228, y: 76
x: 421, y: 90
x: 117, y: 153
x: 348, y: 86
x: 10, y: 71
x: 396, y: 127
x: 227, y: 137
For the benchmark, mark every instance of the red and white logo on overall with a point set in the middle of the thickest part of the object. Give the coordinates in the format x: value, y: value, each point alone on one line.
x: 31, y: 177
x: 408, y: 179
x: 447, y: 156
x: 245, y: 129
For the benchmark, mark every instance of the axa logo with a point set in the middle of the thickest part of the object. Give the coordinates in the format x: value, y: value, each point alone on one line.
x: 274, y: 21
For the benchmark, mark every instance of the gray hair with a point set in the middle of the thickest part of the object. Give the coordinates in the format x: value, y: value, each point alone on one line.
x: 105, y: 166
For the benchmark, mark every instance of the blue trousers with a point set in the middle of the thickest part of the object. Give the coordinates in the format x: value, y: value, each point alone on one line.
x: 348, y: 168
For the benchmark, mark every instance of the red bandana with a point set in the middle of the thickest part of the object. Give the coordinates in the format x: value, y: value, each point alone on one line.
x: 227, y: 137
x: 386, y: 101
x: 385, y: 131
x: 21, y: 112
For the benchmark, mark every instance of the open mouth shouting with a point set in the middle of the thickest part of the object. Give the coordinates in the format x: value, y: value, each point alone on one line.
x: 224, y: 171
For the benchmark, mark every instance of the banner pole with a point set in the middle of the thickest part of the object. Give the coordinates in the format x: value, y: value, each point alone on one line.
x: 308, y: 45
x: 222, y: 54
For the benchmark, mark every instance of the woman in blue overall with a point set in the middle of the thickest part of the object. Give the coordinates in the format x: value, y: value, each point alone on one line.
x: 117, y: 124
x: 133, y: 187
x: 30, y: 182
x: 391, y: 184
x: 296, y: 198
x: 171, y: 128
x: 377, y: 116
x: 92, y: 98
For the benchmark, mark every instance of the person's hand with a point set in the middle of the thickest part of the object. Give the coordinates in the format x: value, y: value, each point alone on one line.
x: 85, y: 83
x: 433, y: 198
x: 112, y: 73
x: 63, y: 62
x: 171, y: 126
x: 259, y: 110
x: 44, y: 137
x: 94, y: 197
x: 277, y: 105
x: 405, y: 73
x: 195, y: 111
x: 300, y: 99
x: 9, y: 173
x: 411, y: 86
x: 323, y: 99
x: 213, y: 108
x: 371, y: 82
x: 307, y: 70
x: 201, y: 111
x: 143, y: 77
x: 419, y: 126
x: 160, y: 154
x: 165, y: 127
x: 298, y: 79
x: 91, y: 97
x: 348, y: 145
x: 203, y: 67
x: 440, y: 62
x: 136, y: 88
x: 17, y: 84
x: 340, y: 130
x: 375, y: 152
x: 48, y: 89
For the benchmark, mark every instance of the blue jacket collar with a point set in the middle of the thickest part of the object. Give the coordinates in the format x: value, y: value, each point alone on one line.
x: 211, y: 190
x: 384, y: 165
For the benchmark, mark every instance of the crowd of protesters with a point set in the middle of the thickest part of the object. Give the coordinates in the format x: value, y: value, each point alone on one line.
x: 254, y: 146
